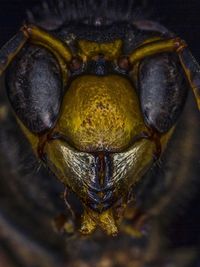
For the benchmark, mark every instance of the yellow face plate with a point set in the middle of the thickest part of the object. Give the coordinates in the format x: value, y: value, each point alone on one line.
x: 100, y: 113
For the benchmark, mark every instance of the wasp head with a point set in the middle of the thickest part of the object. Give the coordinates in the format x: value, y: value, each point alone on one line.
x: 85, y: 121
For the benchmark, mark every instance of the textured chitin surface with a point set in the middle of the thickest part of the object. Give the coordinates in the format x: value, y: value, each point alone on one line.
x: 100, y: 113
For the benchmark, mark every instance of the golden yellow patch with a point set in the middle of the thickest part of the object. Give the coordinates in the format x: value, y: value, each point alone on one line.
x: 100, y: 113
x: 89, y: 49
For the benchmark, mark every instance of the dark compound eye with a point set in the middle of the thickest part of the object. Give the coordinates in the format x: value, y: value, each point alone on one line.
x: 34, y: 84
x: 163, y: 90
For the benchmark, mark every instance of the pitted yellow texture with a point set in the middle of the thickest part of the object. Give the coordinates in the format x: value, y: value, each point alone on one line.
x: 100, y: 113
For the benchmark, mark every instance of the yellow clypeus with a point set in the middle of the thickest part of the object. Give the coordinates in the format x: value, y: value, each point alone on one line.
x: 100, y: 113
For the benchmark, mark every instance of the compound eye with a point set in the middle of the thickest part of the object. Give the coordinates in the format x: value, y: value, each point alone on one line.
x: 76, y: 64
x: 124, y: 64
x: 34, y: 86
x: 163, y: 91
